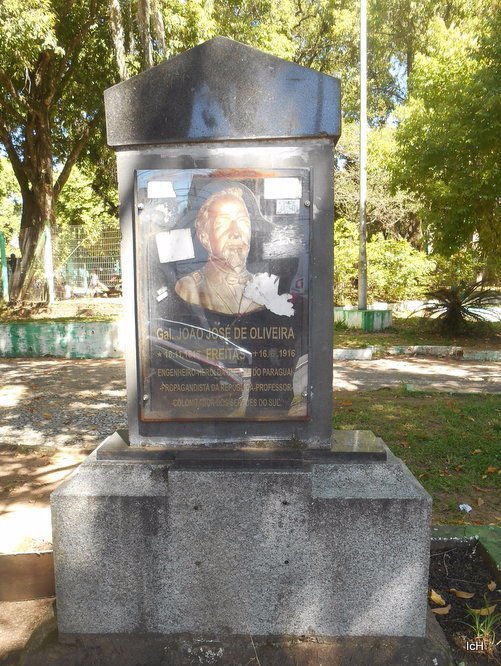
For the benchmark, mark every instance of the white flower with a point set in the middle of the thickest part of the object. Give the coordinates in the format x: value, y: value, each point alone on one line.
x: 465, y: 507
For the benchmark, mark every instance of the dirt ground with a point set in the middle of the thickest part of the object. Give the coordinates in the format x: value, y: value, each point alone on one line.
x: 460, y: 580
x: 78, y: 308
x: 27, y: 478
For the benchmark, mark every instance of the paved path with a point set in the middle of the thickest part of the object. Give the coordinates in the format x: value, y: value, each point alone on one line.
x: 424, y: 373
x: 59, y: 402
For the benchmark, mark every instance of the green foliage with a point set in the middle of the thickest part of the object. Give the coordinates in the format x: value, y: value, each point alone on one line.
x: 10, y: 203
x: 26, y: 26
x: 80, y: 205
x: 396, y: 270
x: 449, y: 138
x: 466, y: 266
x: 484, y: 625
x: 390, y: 212
x: 455, y: 306
x: 51, y: 104
x: 345, y: 261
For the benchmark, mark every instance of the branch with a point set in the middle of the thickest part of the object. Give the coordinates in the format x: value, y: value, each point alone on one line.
x: 304, y: 17
x: 17, y: 165
x: 75, y: 154
x: 72, y: 50
x: 7, y: 81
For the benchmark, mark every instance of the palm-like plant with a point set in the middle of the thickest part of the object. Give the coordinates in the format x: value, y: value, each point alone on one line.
x: 455, y: 306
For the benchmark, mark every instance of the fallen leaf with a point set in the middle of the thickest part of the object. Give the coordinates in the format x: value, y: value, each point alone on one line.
x: 491, y: 470
x: 462, y: 595
x: 491, y: 586
x: 346, y: 403
x: 474, y: 453
x: 480, y: 501
x: 436, y: 598
x: 487, y: 610
x: 441, y: 611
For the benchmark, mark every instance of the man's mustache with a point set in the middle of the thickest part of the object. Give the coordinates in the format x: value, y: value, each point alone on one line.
x: 236, y: 245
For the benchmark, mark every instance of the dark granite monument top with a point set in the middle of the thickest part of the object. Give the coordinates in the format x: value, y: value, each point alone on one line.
x: 224, y: 90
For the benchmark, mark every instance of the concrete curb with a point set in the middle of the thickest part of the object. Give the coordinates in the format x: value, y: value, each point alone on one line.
x: 437, y: 351
x: 62, y: 340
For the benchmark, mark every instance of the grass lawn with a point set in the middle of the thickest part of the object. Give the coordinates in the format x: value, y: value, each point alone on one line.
x: 420, y: 331
x: 451, y: 443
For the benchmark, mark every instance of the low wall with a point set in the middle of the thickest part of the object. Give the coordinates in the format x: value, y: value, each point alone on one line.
x: 63, y: 340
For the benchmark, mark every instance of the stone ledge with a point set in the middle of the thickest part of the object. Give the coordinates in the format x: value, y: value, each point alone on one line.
x: 242, y: 650
x: 346, y: 446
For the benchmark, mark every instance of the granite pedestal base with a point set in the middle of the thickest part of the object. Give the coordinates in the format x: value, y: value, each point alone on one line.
x: 299, y: 546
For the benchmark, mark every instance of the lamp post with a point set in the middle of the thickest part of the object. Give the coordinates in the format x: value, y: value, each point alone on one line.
x: 362, y: 255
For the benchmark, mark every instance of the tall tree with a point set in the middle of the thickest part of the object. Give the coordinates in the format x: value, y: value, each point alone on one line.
x: 50, y: 102
x: 449, y: 140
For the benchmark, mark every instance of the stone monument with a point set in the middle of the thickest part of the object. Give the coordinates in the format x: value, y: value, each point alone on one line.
x: 229, y: 515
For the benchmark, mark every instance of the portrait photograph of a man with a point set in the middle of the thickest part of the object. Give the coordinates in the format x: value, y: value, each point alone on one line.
x: 223, y: 227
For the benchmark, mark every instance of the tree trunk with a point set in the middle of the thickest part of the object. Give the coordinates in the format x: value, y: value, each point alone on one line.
x: 117, y: 33
x: 143, y: 21
x: 38, y: 204
x: 30, y: 242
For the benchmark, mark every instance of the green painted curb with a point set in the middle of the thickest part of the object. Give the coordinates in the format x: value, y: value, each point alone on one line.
x: 63, y: 340
x: 367, y: 320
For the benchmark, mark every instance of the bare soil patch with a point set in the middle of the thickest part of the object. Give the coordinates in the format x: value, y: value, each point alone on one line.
x: 463, y: 569
x: 91, y: 309
x: 28, y: 475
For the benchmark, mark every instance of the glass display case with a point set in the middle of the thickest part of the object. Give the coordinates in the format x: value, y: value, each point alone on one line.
x: 222, y: 280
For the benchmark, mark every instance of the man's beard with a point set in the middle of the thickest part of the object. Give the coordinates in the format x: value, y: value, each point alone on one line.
x: 235, y: 257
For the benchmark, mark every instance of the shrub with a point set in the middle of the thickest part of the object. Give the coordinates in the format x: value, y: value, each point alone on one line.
x: 455, y: 306
x: 396, y: 271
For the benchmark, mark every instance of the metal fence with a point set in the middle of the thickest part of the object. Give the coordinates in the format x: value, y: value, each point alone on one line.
x: 85, y: 264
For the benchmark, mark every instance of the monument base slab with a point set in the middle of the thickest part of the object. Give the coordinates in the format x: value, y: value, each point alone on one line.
x: 308, y: 548
x: 189, y: 650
